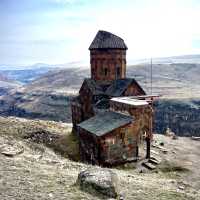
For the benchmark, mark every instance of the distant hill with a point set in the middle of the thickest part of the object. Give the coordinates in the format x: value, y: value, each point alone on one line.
x: 3, y: 78
x: 7, y: 84
x: 63, y: 81
x: 48, y: 96
x: 187, y: 59
x: 177, y: 80
x: 25, y: 67
x: 25, y: 75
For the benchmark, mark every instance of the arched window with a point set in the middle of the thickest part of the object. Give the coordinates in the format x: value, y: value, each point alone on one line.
x: 105, y: 71
x: 118, y: 72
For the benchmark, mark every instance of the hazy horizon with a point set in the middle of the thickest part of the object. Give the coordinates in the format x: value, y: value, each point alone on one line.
x: 82, y: 64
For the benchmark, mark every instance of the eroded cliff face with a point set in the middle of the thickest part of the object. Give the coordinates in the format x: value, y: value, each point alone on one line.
x: 182, y: 116
x: 37, y: 105
x: 3, y: 91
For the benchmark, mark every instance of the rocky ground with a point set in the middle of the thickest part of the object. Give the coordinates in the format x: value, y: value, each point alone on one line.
x: 35, y: 164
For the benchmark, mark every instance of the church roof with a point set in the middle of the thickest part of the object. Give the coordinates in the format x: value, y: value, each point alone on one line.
x: 107, y: 40
x: 105, y: 122
x: 113, y: 88
x: 118, y: 86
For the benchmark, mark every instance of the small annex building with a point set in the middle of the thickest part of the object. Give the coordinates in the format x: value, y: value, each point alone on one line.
x: 112, y: 114
x: 102, y: 141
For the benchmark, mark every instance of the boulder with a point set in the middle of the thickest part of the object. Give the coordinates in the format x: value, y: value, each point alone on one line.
x: 195, y: 138
x: 99, y: 180
x: 11, y: 150
x: 169, y: 133
x: 175, y: 137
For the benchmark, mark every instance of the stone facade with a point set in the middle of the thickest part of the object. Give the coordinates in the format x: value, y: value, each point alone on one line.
x: 108, y: 64
x: 143, y: 116
x: 116, y: 147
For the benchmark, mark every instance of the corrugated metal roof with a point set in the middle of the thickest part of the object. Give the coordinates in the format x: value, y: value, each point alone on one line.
x: 103, y: 123
x: 107, y: 40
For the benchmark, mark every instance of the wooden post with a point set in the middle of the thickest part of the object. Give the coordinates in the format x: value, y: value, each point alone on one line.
x: 149, y: 136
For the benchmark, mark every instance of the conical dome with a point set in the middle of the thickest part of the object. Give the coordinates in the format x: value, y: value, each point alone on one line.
x: 107, y: 40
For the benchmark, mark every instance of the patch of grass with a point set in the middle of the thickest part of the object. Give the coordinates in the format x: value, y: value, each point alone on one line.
x: 172, y: 167
x: 173, y: 195
x: 68, y: 146
x: 37, y: 147
x: 127, y: 166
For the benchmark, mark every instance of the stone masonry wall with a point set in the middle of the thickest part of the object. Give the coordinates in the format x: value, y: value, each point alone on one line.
x: 108, y: 64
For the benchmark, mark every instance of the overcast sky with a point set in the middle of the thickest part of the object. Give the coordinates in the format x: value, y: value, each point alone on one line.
x: 60, y: 31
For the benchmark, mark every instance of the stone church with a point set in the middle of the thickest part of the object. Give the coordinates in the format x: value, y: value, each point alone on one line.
x: 112, y: 114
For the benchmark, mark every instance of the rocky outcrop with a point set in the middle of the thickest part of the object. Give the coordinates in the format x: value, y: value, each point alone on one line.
x: 180, y: 115
x: 102, y: 181
x: 41, y: 136
x: 11, y: 150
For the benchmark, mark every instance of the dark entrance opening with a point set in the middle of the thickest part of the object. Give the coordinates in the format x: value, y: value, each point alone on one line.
x: 148, y: 146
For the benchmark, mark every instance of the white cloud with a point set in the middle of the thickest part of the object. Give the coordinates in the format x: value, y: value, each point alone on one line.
x: 161, y: 29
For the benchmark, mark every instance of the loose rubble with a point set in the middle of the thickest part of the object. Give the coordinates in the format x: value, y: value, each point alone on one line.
x: 41, y: 136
